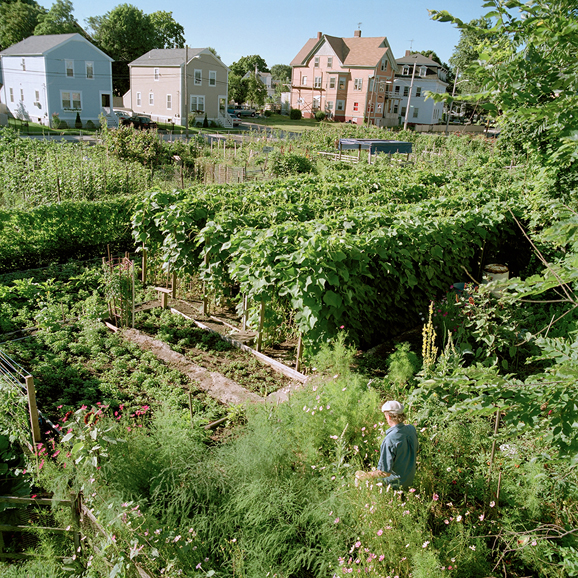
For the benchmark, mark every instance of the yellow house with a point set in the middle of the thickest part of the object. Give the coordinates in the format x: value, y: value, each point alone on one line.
x: 157, y: 86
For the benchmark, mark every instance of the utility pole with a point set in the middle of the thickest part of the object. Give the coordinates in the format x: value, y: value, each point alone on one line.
x: 186, y: 94
x: 409, y: 97
x: 452, y: 102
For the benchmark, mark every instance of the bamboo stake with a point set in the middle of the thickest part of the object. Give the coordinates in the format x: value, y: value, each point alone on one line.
x: 144, y: 266
x: 299, y: 353
x: 205, y: 304
x: 33, y: 410
x: 174, y: 285
x: 245, y: 312
x: 260, y: 333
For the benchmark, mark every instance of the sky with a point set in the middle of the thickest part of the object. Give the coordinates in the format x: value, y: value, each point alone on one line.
x: 278, y: 30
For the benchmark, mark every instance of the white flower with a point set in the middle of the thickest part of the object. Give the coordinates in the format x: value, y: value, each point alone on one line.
x: 473, y: 548
x: 492, y: 504
x: 459, y: 519
x: 449, y: 470
x: 425, y: 544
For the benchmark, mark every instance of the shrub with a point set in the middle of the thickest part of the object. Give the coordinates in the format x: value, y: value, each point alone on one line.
x: 62, y: 124
x: 55, y: 122
x: 320, y: 115
x: 295, y: 114
x: 78, y: 122
x: 206, y: 122
x: 290, y: 164
x: 90, y: 125
x: 268, y: 113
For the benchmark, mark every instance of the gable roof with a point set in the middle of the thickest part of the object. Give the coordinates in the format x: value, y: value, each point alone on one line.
x: 170, y: 57
x: 356, y: 51
x: 420, y: 59
x: 37, y: 45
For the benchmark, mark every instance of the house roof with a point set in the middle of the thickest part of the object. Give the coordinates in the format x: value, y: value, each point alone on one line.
x: 420, y: 59
x: 168, y: 56
x: 37, y: 45
x: 356, y: 51
x: 41, y: 45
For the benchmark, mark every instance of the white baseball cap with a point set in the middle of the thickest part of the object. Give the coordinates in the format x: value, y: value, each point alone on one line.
x: 392, y: 407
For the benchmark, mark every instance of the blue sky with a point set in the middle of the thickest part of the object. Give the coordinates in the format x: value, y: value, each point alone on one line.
x: 278, y: 30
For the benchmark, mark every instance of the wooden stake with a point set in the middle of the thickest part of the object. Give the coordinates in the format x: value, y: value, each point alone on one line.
x: 174, y: 285
x: 33, y: 411
x: 205, y: 300
x: 144, y: 266
x: 260, y: 333
x: 76, y: 518
x: 299, y: 353
x: 245, y: 312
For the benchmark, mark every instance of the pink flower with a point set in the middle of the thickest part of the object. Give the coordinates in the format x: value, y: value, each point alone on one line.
x: 436, y: 497
x: 336, y: 521
x: 381, y: 558
x: 379, y: 532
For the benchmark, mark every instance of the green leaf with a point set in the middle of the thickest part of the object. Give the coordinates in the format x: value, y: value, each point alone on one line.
x: 332, y: 299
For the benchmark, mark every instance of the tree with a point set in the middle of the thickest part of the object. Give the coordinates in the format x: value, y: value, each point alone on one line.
x: 170, y: 34
x: 18, y: 21
x: 281, y: 72
x: 256, y: 91
x: 247, y: 64
x: 430, y: 54
x: 58, y: 20
x: 237, y: 88
x: 213, y: 51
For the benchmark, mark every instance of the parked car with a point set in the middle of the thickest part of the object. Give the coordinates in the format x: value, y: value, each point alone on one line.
x: 122, y: 114
x: 240, y: 112
x: 139, y: 121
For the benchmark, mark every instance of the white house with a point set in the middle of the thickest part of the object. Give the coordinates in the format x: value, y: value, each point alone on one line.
x: 57, y: 73
x: 427, y: 75
x: 267, y: 79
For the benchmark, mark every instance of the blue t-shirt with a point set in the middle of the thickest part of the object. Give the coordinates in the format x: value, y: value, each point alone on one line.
x: 397, y: 457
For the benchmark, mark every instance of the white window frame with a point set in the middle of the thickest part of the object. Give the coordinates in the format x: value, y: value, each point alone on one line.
x: 212, y: 78
x: 88, y: 64
x: 316, y: 62
x: 157, y: 74
x: 198, y: 78
x: 418, y: 91
x: 415, y: 112
x: 151, y: 98
x: 71, y: 100
x: 395, y: 108
x: 406, y: 91
x: 405, y: 71
x: 340, y: 105
x: 316, y: 102
x: 422, y: 71
x: 396, y: 90
x: 403, y: 110
x: 371, y: 84
x: 199, y: 100
x: 37, y: 96
x: 342, y: 83
x: 317, y: 82
x: 11, y: 94
x: 332, y: 82
x: 69, y: 67
x: 304, y: 81
x: 329, y: 105
x: 330, y: 62
x: 138, y: 99
x: 356, y: 107
x: 358, y: 84
x: 169, y: 102
x: 383, y: 64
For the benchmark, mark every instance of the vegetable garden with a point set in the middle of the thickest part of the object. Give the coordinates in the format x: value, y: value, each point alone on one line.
x: 341, y: 259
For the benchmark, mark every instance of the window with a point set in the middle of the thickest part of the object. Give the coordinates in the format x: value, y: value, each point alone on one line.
x: 395, y: 108
x: 71, y: 100
x: 197, y: 104
x: 418, y: 91
x: 316, y: 65
x: 405, y: 71
x: 151, y: 98
x: 342, y: 83
x: 36, y: 96
x: 403, y: 109
x: 169, y: 101
x: 381, y: 86
x: 198, y: 77
x: 212, y: 78
x: 21, y: 94
x: 23, y: 63
x: 355, y: 106
x: 340, y: 105
x: 69, y: 65
x: 316, y: 102
x: 397, y: 89
x: 11, y: 95
x: 138, y: 99
x: 332, y: 82
x: 383, y: 64
x: 358, y: 84
x: 406, y: 91
x: 329, y: 105
x: 415, y: 112
x: 422, y: 70
x: 89, y: 67
x: 304, y: 81
x: 105, y: 100
x: 371, y: 84
x: 317, y: 83
x: 330, y: 62
x: 157, y: 74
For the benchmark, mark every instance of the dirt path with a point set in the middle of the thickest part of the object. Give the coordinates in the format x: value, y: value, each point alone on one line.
x: 216, y: 385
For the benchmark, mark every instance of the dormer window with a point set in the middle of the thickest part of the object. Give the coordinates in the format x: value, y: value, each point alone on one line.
x: 422, y: 70
x: 405, y: 71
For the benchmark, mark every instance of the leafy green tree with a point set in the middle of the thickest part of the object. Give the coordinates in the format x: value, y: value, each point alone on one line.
x: 18, y: 21
x: 256, y: 91
x: 238, y: 88
x: 281, y: 72
x: 169, y: 33
x: 58, y: 20
x: 213, y: 51
x: 429, y: 54
x: 247, y: 64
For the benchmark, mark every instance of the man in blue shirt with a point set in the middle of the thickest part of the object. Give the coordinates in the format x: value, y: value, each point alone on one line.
x: 398, y: 450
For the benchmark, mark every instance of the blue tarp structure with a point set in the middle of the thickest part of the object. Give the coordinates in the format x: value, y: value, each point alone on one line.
x: 375, y: 145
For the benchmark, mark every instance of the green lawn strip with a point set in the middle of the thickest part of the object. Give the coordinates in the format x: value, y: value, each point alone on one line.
x: 209, y: 351
x: 281, y: 122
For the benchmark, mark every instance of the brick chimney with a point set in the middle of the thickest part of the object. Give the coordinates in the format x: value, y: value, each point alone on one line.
x: 319, y: 35
x: 407, y: 53
x: 357, y: 33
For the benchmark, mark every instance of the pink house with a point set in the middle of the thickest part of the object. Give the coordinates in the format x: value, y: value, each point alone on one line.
x: 350, y: 79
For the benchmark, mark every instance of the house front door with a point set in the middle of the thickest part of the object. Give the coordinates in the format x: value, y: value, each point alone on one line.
x: 105, y: 100
x: 222, y: 105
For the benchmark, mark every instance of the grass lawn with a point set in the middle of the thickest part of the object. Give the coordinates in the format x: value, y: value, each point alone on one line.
x: 283, y: 122
x: 34, y: 128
